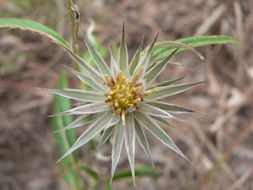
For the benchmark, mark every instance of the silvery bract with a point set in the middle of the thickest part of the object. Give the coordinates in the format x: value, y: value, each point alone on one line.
x: 123, y: 100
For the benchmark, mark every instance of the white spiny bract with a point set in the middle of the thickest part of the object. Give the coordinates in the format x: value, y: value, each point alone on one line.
x: 123, y: 101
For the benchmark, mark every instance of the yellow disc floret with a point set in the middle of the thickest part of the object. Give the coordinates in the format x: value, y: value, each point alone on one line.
x: 124, y: 94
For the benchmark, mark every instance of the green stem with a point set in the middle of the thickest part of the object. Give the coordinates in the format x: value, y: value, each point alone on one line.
x: 74, y: 24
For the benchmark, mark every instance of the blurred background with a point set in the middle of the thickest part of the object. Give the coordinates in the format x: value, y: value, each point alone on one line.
x: 219, y: 142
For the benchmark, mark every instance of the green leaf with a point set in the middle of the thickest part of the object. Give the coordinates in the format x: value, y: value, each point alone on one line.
x: 162, y: 120
x: 166, y: 83
x: 178, y: 45
x: 147, y: 122
x: 66, y: 139
x: 91, y: 172
x: 135, y: 60
x: 115, y: 51
x: 101, y: 123
x: 154, y: 111
x: 86, y: 68
x: 198, y: 41
x: 81, y: 121
x: 140, y: 171
x: 85, y: 109
x: 97, y: 46
x: 123, y: 53
x: 34, y: 27
x: 98, y: 59
x: 169, y: 107
x: 163, y: 92
x: 117, y: 147
x: 158, y: 68
x: 146, y: 57
x: 130, y: 141
x: 143, y: 141
x: 87, y: 80
x: 76, y: 94
x: 107, y: 133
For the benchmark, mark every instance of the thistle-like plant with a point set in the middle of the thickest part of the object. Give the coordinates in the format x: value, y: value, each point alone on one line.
x: 123, y: 100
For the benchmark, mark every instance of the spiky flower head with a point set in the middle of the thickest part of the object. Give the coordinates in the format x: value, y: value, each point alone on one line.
x: 123, y: 101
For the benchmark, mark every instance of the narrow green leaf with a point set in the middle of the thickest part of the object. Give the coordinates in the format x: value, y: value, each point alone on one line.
x: 115, y: 51
x: 162, y: 120
x: 163, y: 92
x: 143, y: 141
x: 158, y: 68
x: 81, y: 121
x: 34, y: 27
x: 197, y: 41
x: 76, y: 94
x: 105, y: 137
x: 86, y: 68
x: 87, y: 80
x: 147, y: 57
x: 108, y: 130
x: 85, y: 109
x: 140, y: 171
x: 117, y: 147
x: 147, y: 122
x: 123, y: 53
x: 166, y: 83
x: 135, y: 60
x: 101, y: 123
x: 114, y: 65
x: 154, y: 111
x: 130, y: 141
x: 169, y: 107
x: 176, y: 44
x: 98, y: 59
x: 91, y: 172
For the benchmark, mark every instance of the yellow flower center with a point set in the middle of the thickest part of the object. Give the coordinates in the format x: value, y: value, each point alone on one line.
x: 123, y: 94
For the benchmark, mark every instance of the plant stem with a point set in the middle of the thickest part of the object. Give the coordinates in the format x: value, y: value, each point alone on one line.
x: 74, y: 24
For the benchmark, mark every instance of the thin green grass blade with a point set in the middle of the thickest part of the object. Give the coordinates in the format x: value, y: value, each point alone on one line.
x: 66, y: 139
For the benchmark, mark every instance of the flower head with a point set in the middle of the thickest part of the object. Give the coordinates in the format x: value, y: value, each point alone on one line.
x: 123, y: 100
